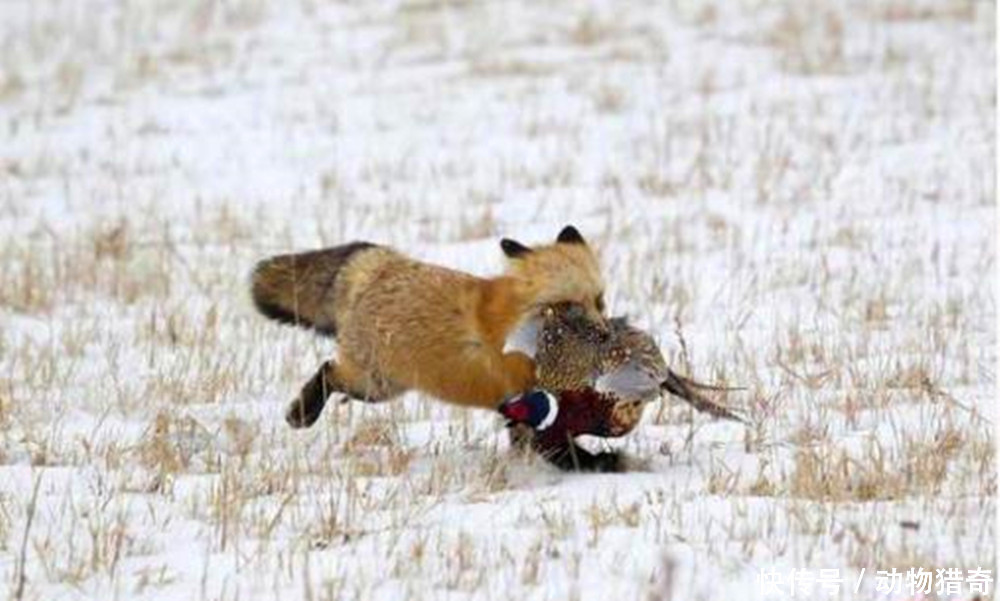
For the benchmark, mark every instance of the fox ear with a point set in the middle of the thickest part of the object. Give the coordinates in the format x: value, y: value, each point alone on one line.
x: 570, y: 235
x: 513, y: 248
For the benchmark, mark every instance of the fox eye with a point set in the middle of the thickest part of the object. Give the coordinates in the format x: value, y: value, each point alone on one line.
x: 599, y: 303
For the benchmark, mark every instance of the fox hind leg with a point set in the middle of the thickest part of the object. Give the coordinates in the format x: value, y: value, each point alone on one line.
x: 333, y: 377
x: 307, y: 406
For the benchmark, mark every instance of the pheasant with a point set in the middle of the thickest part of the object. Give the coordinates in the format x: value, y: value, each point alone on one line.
x: 619, y: 359
x: 604, y: 374
x: 555, y: 421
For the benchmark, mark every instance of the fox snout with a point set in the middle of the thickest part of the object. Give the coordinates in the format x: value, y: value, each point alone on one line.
x: 603, y: 328
x: 600, y: 325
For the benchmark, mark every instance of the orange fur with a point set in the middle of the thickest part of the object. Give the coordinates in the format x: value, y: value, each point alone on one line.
x: 402, y: 324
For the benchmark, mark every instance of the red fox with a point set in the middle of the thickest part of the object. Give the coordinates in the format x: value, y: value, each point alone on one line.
x: 402, y: 324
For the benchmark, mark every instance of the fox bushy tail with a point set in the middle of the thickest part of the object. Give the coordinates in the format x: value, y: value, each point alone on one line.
x: 299, y: 288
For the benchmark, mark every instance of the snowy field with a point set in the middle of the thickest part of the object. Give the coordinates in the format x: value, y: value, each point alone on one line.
x: 795, y: 197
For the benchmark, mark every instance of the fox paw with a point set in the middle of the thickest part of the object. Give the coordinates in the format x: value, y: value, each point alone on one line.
x: 302, y: 415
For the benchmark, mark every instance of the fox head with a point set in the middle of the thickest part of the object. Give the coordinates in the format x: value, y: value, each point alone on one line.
x: 564, y: 272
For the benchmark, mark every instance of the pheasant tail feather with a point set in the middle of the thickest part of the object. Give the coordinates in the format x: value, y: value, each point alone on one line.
x: 690, y: 391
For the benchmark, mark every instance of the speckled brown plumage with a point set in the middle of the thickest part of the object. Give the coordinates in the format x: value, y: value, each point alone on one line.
x: 616, y: 358
x: 603, y: 375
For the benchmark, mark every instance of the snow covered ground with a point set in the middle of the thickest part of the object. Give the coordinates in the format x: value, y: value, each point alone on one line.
x: 797, y: 197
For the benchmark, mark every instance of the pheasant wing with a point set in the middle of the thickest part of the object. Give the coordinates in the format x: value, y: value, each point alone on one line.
x: 628, y: 381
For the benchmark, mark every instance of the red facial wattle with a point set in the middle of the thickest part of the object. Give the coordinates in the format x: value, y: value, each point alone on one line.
x: 518, y: 411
